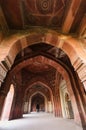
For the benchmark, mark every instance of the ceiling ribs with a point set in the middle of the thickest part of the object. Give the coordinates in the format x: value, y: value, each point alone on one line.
x: 82, y: 28
x: 3, y: 24
x: 71, y: 13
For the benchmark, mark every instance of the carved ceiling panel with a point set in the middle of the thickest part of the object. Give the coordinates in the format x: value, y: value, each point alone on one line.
x: 22, y: 13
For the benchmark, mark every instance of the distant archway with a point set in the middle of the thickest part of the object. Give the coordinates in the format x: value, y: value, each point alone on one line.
x: 8, y: 104
x: 38, y: 81
x: 45, y: 98
x: 47, y: 103
x: 37, y: 102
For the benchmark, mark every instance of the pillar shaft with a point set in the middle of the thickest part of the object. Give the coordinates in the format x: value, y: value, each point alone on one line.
x: 57, y: 101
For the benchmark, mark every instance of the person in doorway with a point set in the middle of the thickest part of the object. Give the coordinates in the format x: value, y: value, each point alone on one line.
x: 37, y: 107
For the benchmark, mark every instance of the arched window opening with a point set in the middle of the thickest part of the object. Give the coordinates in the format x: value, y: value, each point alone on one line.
x: 8, y: 104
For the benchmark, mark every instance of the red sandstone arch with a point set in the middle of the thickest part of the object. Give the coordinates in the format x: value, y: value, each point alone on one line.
x: 67, y: 43
x: 41, y: 59
x: 10, y: 47
x: 31, y: 84
x: 40, y: 94
x: 43, y: 83
x: 71, y: 88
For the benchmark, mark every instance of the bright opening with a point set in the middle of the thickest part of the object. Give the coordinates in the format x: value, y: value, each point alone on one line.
x: 8, y: 104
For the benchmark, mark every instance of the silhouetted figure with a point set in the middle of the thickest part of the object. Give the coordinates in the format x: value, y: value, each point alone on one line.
x: 37, y: 107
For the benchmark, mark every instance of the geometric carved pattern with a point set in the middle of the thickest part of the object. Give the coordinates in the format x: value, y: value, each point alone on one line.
x: 53, y: 13
x: 44, y: 6
x: 35, y: 13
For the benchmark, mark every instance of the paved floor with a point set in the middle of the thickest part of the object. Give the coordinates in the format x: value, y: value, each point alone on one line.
x: 39, y: 121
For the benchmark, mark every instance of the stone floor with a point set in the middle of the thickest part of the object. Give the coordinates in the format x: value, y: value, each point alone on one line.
x: 39, y: 121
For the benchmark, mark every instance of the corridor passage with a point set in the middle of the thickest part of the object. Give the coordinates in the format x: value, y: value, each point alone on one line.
x: 39, y: 121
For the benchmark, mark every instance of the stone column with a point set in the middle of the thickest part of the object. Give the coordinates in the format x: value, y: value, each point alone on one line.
x: 17, y: 107
x: 57, y: 101
x: 2, y: 99
x: 81, y: 100
x: 3, y: 92
x: 77, y: 99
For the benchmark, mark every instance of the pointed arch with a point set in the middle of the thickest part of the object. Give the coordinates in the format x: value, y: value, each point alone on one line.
x: 66, y: 73
x: 75, y: 52
x: 71, y: 46
x: 45, y: 100
x: 31, y: 84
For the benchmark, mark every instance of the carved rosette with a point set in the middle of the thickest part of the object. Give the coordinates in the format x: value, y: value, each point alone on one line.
x: 44, y: 6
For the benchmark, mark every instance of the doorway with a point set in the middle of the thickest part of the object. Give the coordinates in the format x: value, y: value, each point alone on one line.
x: 37, y: 103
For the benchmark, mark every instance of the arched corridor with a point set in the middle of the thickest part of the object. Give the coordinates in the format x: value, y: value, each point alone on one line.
x: 44, y: 80
x: 43, y: 62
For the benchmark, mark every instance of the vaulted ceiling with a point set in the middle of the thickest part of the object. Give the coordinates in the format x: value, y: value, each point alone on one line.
x: 67, y: 16
x: 37, y: 70
x: 45, y: 50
